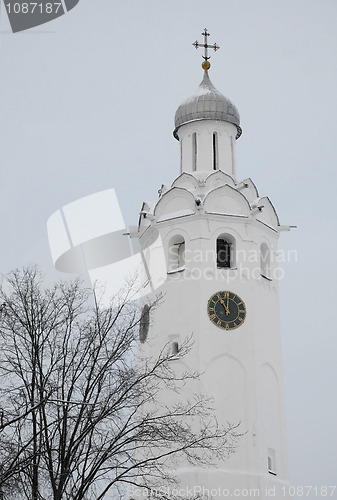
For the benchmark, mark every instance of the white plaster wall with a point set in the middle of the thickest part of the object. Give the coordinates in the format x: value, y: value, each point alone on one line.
x: 234, y: 363
x: 204, y: 130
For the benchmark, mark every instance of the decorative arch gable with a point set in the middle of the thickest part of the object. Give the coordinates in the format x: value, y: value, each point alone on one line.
x: 186, y: 181
x: 226, y: 200
x: 147, y: 208
x: 250, y: 191
x: 217, y: 179
x: 268, y: 214
x: 176, y: 202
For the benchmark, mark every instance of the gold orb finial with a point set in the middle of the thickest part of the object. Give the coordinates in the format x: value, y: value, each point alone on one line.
x: 206, y: 64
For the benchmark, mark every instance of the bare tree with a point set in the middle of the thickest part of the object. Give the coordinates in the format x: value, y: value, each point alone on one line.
x: 79, y: 416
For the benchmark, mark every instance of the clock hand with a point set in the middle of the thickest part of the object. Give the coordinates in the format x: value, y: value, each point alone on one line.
x: 226, y: 307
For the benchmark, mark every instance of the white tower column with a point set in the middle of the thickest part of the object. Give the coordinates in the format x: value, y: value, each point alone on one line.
x: 207, y: 145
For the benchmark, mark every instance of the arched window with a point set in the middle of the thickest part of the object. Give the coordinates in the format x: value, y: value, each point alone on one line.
x: 194, y: 151
x: 265, y: 261
x: 271, y: 462
x: 176, y: 253
x: 175, y: 348
x: 225, y: 251
x: 144, y: 323
x: 215, y: 151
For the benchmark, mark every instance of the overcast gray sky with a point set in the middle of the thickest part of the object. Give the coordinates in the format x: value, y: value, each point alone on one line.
x: 88, y: 101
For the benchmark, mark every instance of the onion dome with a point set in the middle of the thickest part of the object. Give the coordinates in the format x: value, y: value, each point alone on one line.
x: 207, y: 104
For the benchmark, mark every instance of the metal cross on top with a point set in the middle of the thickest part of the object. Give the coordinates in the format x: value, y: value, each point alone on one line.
x: 206, y: 64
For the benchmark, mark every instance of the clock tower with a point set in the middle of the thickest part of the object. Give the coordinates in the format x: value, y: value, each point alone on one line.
x: 219, y: 239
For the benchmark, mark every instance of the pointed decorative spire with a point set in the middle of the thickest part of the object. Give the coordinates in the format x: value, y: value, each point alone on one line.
x: 206, y: 64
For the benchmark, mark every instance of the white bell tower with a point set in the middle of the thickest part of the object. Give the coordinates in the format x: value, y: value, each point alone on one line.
x: 221, y: 284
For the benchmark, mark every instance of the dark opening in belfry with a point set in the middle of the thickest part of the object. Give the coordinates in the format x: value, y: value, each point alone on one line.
x: 223, y: 251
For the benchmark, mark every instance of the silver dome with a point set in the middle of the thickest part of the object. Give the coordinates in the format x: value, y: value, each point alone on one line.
x: 207, y: 104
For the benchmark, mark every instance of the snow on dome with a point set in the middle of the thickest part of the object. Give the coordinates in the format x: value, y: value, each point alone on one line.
x: 207, y: 103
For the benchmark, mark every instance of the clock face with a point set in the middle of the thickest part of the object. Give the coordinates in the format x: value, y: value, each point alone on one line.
x: 144, y: 323
x: 226, y: 310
